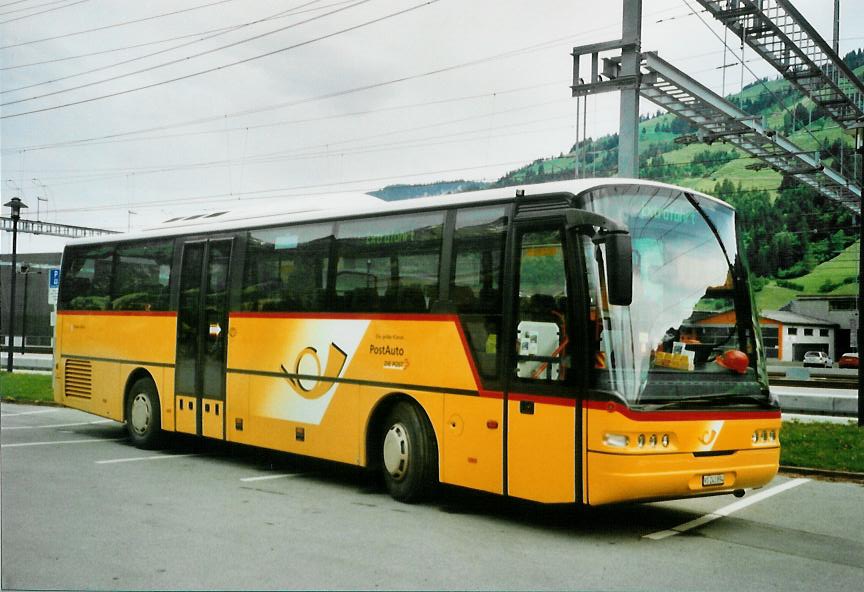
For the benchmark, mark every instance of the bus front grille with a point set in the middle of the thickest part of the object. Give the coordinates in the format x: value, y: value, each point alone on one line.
x: 78, y: 379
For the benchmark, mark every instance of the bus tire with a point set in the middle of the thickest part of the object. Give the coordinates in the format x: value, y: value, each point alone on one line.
x: 409, y: 454
x: 143, y: 415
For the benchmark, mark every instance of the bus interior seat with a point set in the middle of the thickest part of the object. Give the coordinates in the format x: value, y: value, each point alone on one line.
x: 540, y: 307
x: 463, y: 298
x: 363, y: 300
x: 405, y: 299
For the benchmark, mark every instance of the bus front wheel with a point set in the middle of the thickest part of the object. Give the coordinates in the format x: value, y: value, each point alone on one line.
x: 143, y: 415
x: 409, y: 454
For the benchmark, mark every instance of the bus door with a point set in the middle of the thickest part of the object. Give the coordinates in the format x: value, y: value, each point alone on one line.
x: 542, y: 408
x: 202, y: 334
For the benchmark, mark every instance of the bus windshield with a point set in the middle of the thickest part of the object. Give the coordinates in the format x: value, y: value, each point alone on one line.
x: 689, y: 336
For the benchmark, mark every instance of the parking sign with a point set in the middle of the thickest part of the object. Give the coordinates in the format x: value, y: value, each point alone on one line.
x: 53, y: 285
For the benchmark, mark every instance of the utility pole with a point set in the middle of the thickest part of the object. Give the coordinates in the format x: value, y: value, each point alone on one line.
x: 628, y: 136
x: 858, y: 129
x: 836, y: 43
x: 619, y: 73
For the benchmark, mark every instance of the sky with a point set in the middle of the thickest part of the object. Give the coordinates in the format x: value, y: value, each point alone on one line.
x: 120, y: 114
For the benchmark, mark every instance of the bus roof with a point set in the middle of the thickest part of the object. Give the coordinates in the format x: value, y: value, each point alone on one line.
x: 334, y: 206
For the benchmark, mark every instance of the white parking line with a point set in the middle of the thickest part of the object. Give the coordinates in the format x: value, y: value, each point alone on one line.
x: 137, y: 458
x: 30, y: 412
x: 90, y: 441
x: 725, y: 511
x: 59, y: 425
x: 266, y: 477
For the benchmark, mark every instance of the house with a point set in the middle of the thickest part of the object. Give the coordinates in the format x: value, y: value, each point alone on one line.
x: 786, y: 336
x: 842, y: 310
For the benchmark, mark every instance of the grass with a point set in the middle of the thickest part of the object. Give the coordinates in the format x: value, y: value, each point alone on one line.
x: 829, y: 446
x: 26, y: 387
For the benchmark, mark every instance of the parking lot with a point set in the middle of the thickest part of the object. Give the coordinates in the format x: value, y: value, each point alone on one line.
x: 82, y: 508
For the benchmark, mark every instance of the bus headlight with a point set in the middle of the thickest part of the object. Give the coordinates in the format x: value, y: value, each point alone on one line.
x: 616, y: 440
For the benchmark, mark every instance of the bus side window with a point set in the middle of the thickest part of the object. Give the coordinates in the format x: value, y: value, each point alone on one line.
x: 388, y: 264
x: 286, y: 269
x: 142, y: 273
x: 542, y: 337
x: 87, y: 278
x: 475, y: 283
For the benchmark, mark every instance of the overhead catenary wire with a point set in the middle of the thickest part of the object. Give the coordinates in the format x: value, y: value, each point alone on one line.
x: 115, y: 25
x: 47, y: 10
x: 279, y: 123
x: 230, y: 64
x: 30, y: 7
x: 185, y: 59
x: 344, y: 92
x: 219, y: 33
x: 123, y: 48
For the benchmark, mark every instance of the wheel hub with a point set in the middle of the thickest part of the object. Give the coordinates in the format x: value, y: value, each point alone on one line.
x: 141, y: 414
x: 396, y: 449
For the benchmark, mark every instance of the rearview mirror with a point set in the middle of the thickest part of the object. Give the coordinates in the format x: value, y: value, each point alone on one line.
x: 619, y: 265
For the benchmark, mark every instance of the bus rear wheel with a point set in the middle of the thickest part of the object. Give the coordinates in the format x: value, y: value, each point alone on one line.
x: 409, y: 454
x: 143, y: 414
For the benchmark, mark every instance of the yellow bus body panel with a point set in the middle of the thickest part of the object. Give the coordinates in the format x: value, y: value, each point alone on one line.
x: 279, y: 395
x: 473, y: 442
x: 699, y: 444
x: 100, y: 351
x: 541, y: 452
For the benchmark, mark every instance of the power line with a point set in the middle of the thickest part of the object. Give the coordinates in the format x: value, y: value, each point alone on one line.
x: 20, y: 2
x: 148, y: 43
x: 344, y: 92
x: 214, y: 198
x: 232, y: 64
x: 26, y: 8
x: 185, y: 59
x: 319, y: 151
x: 47, y: 10
x: 290, y: 11
x: 121, y: 24
x: 86, y: 144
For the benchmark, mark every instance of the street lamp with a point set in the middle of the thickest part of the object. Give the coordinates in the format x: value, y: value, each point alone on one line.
x: 16, y: 206
x: 858, y: 129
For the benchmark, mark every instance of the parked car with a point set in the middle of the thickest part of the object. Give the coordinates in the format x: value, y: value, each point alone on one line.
x: 848, y: 361
x: 817, y: 358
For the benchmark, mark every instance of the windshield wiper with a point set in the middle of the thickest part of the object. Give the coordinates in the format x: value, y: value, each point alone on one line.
x: 698, y: 207
x: 708, y: 400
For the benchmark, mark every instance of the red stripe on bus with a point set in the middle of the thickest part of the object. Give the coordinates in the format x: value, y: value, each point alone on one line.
x: 612, y: 407
x: 344, y: 316
x: 491, y: 394
x: 118, y: 313
x: 468, y: 355
x: 541, y: 399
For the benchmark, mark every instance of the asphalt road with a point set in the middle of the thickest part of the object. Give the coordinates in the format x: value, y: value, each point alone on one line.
x: 83, y: 509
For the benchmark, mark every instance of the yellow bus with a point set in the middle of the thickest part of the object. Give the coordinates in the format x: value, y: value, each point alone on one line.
x: 587, y: 342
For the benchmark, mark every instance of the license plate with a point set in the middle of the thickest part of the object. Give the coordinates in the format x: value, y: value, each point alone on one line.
x: 708, y: 480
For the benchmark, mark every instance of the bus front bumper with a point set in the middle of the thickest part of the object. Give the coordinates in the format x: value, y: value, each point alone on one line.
x: 628, y: 477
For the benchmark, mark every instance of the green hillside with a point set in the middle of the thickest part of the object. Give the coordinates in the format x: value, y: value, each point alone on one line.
x: 835, y: 277
x: 796, y: 241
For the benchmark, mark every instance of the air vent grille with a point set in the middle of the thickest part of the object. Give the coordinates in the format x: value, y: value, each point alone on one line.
x: 78, y: 379
x: 525, y: 207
